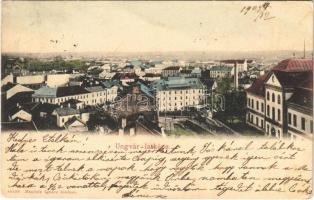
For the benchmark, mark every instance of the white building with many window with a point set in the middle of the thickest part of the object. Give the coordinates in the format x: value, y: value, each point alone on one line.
x: 280, y: 102
x: 89, y: 95
x: 177, y: 93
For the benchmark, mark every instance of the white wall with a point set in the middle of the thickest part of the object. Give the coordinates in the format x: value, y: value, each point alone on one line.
x: 56, y: 80
x: 35, y: 79
x: 171, y: 100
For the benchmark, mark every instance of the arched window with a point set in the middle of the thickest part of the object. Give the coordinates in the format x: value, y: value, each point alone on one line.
x: 278, y: 99
x: 267, y: 111
x: 268, y: 96
x: 273, y: 97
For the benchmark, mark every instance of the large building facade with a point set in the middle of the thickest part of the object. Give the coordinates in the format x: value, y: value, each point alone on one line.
x: 280, y: 102
x: 89, y: 95
x: 178, y: 93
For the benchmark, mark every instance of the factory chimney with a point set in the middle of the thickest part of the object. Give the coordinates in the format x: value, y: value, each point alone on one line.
x: 236, y: 76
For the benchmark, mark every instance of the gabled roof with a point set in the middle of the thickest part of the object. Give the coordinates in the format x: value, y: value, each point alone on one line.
x: 8, y: 86
x: 45, y: 107
x: 294, y: 65
x: 257, y: 87
x: 72, y: 120
x: 208, y: 82
x: 291, y: 73
x: 291, y: 79
x: 27, y: 107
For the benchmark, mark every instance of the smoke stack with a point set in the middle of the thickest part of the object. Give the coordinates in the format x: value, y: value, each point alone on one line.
x: 236, y: 81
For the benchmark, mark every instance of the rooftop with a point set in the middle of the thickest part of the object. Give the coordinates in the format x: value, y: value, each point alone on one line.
x: 45, y: 91
x: 177, y: 83
x: 302, y: 97
x: 291, y: 79
x: 294, y: 65
x: 221, y: 68
x: 65, y: 111
x: 240, y: 61
x: 172, y: 68
x: 7, y: 86
x: 257, y: 88
x: 70, y: 91
x: 95, y: 89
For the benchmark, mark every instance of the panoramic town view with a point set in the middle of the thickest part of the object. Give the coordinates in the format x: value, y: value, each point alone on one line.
x: 171, y: 93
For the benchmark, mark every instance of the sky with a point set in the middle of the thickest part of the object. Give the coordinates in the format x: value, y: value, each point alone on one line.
x: 143, y: 26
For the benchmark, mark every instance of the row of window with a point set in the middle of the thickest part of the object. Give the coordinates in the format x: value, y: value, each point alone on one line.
x: 181, y: 92
x: 181, y: 104
x: 292, y: 120
x: 181, y: 98
x: 250, y: 103
x: 273, y: 99
x: 62, y: 99
x: 251, y: 120
x: 273, y: 112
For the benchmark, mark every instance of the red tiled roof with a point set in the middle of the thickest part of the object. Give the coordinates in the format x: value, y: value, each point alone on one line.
x: 294, y: 65
x: 257, y: 87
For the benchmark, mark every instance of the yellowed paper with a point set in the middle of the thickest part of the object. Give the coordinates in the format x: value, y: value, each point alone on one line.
x: 140, y: 99
x: 75, y: 165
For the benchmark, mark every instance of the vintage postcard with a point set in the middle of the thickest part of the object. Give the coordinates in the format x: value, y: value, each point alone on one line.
x: 157, y: 99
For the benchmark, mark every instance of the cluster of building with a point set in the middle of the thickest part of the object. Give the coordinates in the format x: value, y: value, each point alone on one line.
x: 280, y: 102
x: 64, y: 106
